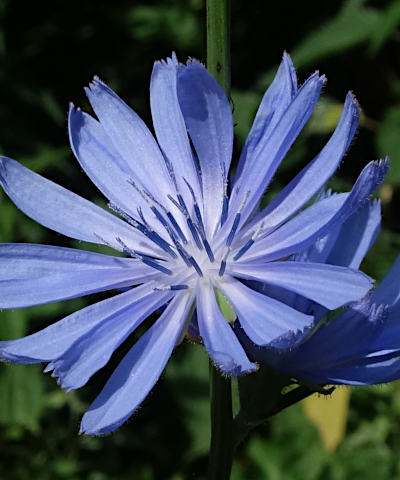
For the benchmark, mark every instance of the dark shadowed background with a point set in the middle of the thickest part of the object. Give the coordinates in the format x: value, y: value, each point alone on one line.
x: 49, y: 50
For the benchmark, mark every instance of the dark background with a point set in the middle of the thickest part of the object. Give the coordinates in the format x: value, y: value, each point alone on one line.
x: 49, y: 50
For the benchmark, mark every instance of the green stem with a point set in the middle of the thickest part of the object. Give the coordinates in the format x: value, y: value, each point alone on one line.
x: 221, y: 447
x: 218, y: 42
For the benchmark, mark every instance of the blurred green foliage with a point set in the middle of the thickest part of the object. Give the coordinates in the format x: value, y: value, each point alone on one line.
x: 48, y: 51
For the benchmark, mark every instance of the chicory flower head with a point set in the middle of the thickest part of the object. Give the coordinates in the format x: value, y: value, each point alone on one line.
x: 188, y: 231
x: 361, y: 345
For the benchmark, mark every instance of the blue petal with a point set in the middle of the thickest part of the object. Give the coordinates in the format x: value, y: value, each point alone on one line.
x: 102, y: 163
x: 53, y: 341
x: 272, y: 107
x: 92, y: 351
x: 65, y: 212
x: 315, y: 221
x: 331, y: 347
x: 266, y: 321
x: 208, y: 117
x: 388, y: 291
x: 371, y: 374
x: 328, y: 285
x: 140, y: 156
x: 35, y: 274
x: 314, y: 176
x: 272, y: 147
x: 170, y: 128
x: 356, y: 236
x: 139, y: 370
x: 218, y: 337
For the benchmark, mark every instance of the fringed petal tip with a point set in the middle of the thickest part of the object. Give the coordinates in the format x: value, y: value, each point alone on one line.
x: 171, y: 61
x: 227, y: 366
x: 281, y: 345
x: 95, y: 431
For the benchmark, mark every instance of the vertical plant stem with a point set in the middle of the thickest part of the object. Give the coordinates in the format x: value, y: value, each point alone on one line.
x: 221, y: 446
x: 218, y: 42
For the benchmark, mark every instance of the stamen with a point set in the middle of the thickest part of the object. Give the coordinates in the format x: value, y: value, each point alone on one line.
x: 225, y: 200
x: 196, y: 208
x: 192, y: 227
x: 177, y: 227
x: 195, y: 265
x: 194, y: 233
x: 123, y: 214
x: 183, y: 254
x: 208, y: 250
x: 171, y: 172
x: 145, y: 229
x: 151, y: 263
x: 143, y: 258
x: 178, y: 205
x: 171, y: 287
x: 225, y: 207
x: 159, y: 216
x: 148, y: 196
x: 179, y: 287
x: 249, y: 243
x: 237, y: 220
x: 235, y: 225
x: 222, y: 267
x: 182, y: 202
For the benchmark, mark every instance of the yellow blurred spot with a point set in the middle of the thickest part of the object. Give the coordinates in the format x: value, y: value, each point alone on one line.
x: 329, y: 415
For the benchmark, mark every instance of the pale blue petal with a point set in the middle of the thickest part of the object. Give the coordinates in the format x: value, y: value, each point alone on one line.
x: 219, y: 339
x: 170, y: 128
x: 329, y: 285
x: 53, y: 341
x: 272, y: 148
x: 315, y: 221
x: 140, y: 156
x: 332, y: 348
x: 314, y: 176
x: 102, y: 163
x: 388, y: 291
x: 35, y: 274
x: 139, y: 370
x: 65, y: 212
x: 356, y: 236
x: 92, y: 351
x: 208, y: 117
x: 272, y: 107
x: 265, y: 320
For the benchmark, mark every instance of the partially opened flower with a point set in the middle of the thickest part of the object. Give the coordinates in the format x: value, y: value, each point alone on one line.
x: 361, y: 345
x: 187, y: 232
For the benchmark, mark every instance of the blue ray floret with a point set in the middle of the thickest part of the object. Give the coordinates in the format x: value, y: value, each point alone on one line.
x: 187, y: 232
x: 331, y: 355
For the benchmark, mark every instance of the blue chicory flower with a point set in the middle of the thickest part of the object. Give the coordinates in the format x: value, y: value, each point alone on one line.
x: 361, y: 345
x: 185, y: 230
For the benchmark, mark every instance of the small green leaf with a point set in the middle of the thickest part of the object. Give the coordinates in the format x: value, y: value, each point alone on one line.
x: 226, y: 308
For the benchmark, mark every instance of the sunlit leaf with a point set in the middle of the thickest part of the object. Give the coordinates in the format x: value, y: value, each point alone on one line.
x: 329, y: 416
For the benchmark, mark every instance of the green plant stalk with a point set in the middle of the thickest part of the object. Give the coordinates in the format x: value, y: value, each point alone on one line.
x: 221, y: 446
x: 218, y: 42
